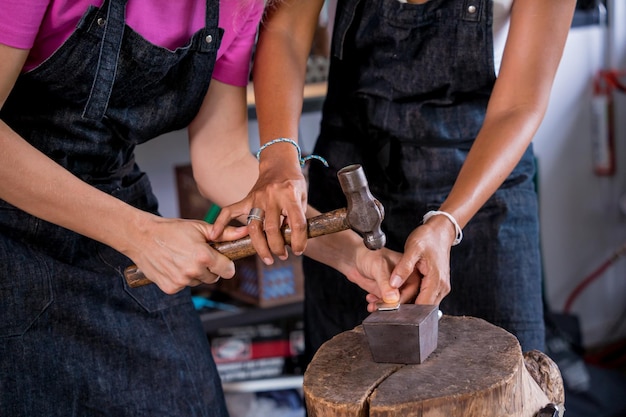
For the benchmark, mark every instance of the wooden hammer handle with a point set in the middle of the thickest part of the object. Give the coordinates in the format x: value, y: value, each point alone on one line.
x: 324, y: 224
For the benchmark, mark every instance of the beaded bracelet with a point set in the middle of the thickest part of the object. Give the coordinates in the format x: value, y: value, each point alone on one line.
x: 287, y: 140
x: 457, y: 228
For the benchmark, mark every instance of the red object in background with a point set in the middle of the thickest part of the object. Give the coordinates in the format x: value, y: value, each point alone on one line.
x: 621, y: 251
x: 612, y: 356
x: 233, y: 349
x: 605, y: 84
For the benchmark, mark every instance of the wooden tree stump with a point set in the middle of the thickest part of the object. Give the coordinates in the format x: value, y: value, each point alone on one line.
x: 477, y: 370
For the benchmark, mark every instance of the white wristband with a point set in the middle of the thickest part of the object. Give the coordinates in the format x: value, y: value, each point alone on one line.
x: 457, y: 228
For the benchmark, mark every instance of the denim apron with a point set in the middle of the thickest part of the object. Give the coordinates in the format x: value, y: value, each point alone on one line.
x: 407, y: 95
x: 75, y: 340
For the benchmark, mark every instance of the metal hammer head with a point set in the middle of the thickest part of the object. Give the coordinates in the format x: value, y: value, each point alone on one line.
x: 365, y: 214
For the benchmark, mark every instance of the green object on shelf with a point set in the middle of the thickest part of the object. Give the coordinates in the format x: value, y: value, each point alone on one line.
x: 212, y: 214
x: 200, y: 302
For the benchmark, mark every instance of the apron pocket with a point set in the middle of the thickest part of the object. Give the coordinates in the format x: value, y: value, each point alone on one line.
x: 25, y: 287
x: 152, y: 299
x: 149, y: 297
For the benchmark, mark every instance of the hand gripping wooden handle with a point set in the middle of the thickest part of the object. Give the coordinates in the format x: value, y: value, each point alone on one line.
x: 324, y: 224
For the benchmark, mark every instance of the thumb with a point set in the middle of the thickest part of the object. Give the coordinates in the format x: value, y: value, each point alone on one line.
x: 229, y: 233
x: 390, y: 294
x: 224, y: 218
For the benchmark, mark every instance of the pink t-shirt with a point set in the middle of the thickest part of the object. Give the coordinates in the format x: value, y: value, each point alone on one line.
x: 43, y: 25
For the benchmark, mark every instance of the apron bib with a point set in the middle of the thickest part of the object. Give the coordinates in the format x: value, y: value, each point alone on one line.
x: 75, y: 340
x: 407, y: 95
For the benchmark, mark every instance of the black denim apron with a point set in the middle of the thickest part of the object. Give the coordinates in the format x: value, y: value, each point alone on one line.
x: 75, y: 340
x: 407, y: 94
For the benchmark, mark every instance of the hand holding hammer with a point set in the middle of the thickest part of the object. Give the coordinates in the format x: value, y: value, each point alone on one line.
x: 363, y: 214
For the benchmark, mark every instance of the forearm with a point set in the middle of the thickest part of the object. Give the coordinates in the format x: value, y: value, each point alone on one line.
x: 287, y: 32
x: 337, y: 250
x: 495, y: 153
x: 225, y: 175
x: 36, y: 184
x: 370, y: 269
x: 223, y: 166
x: 518, y: 103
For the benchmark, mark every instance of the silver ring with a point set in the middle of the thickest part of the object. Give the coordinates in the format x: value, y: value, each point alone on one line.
x: 256, y: 214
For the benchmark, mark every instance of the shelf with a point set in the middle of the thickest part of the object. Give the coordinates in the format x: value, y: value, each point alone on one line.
x: 314, y: 95
x: 587, y: 18
x: 212, y: 321
x: 260, y: 385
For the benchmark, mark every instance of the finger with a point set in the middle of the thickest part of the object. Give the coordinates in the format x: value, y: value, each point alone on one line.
x: 298, y: 225
x: 390, y: 294
x: 259, y: 241
x: 408, y: 292
x: 226, y: 215
x: 212, y: 278
x: 220, y: 223
x: 372, y: 298
x: 177, y: 281
x: 372, y: 302
x: 428, y: 296
x: 234, y: 233
x: 432, y: 291
x: 273, y: 233
x: 403, y: 269
x: 229, y: 233
x: 218, y: 265
x: 169, y: 287
x: 375, y: 303
x: 434, y: 287
x: 208, y: 276
x: 195, y: 283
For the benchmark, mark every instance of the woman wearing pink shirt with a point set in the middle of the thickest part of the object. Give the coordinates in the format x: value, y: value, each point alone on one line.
x: 82, y: 82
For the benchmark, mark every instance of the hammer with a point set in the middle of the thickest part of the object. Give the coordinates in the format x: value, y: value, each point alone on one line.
x: 363, y: 214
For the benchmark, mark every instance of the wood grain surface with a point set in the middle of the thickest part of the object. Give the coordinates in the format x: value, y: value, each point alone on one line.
x: 477, y: 370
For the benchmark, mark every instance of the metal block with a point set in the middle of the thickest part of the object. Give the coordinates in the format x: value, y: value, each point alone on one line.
x: 406, y: 335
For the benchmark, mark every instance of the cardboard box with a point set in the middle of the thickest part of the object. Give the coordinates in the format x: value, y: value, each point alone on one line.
x: 254, y: 282
x: 191, y: 204
x: 266, y: 285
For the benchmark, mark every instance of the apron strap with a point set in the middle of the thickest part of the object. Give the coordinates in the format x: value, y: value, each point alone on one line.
x: 98, y: 100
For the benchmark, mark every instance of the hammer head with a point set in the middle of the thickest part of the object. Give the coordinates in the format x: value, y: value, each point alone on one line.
x: 365, y: 214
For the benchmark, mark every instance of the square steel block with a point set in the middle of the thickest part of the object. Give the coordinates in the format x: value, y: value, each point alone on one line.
x: 406, y: 335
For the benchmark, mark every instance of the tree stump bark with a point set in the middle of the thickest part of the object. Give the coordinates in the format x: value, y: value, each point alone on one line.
x: 477, y: 370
